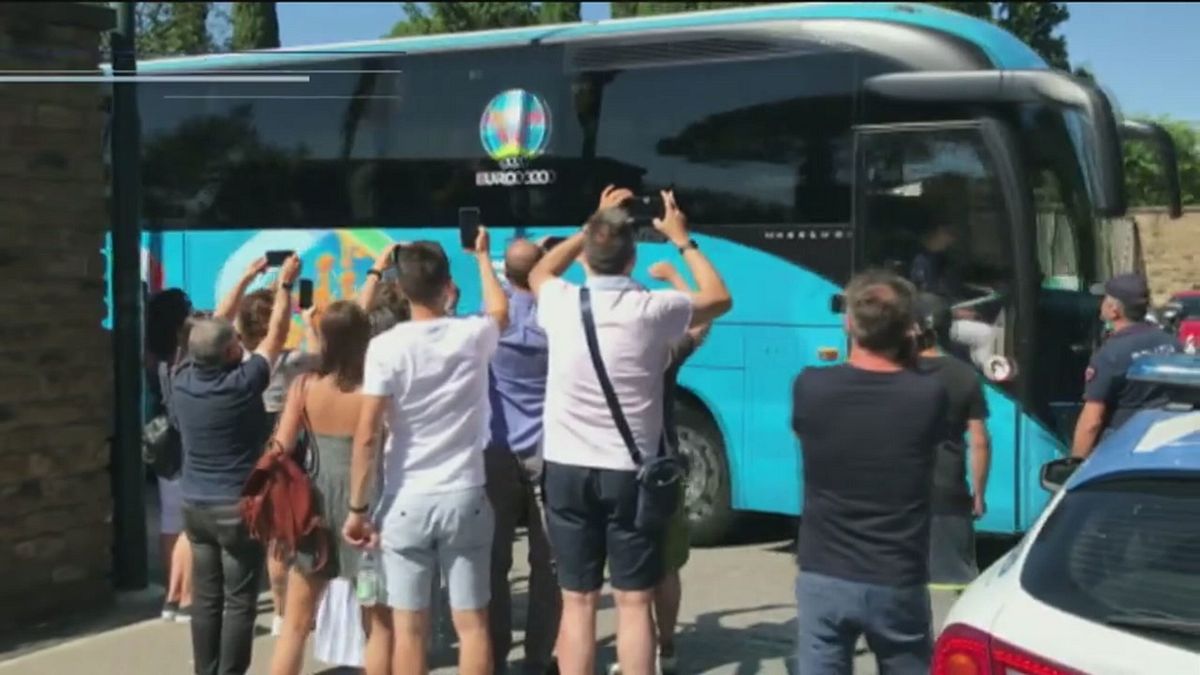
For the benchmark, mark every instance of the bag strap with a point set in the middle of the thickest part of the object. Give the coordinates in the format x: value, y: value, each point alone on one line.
x: 314, y: 450
x: 610, y: 396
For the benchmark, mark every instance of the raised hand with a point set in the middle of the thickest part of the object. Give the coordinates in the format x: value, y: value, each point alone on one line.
x: 673, y: 224
x: 483, y: 242
x: 613, y: 196
x: 663, y: 271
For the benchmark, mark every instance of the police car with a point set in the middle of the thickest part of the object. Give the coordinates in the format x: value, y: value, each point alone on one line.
x: 1108, y: 580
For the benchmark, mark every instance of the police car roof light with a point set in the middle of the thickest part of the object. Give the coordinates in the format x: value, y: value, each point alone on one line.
x: 1179, y: 372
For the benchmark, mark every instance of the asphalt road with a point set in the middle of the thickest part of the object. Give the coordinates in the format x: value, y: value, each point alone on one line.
x: 738, y: 617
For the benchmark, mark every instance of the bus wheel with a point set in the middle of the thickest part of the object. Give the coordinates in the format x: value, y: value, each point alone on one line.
x: 707, y: 498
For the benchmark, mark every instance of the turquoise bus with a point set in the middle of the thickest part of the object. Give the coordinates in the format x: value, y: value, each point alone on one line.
x: 805, y: 142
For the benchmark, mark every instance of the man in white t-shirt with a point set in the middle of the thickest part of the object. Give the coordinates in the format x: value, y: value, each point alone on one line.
x: 429, y: 377
x: 590, y: 477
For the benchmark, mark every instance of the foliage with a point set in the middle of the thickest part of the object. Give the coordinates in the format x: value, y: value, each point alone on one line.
x: 172, y: 28
x: 1144, y: 182
x: 1034, y: 23
x: 438, y: 17
x: 621, y: 10
x: 255, y: 26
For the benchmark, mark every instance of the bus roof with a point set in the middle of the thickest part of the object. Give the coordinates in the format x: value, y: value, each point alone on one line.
x: 1003, y: 49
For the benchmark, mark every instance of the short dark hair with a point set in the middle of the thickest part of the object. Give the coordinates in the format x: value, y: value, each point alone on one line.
x: 254, y: 316
x: 424, y: 273
x: 880, y: 306
x: 608, y: 244
x: 345, y: 333
x: 1133, y: 311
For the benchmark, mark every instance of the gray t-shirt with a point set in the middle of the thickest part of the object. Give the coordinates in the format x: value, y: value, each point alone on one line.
x: 288, y: 366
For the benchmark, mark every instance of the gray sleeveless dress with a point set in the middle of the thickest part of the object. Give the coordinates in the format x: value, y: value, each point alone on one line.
x: 330, y: 475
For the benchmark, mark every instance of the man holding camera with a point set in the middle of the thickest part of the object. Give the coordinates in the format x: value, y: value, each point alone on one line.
x: 609, y: 344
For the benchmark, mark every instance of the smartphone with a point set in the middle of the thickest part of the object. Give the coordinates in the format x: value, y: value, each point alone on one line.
x: 277, y: 258
x: 551, y: 242
x: 468, y: 227
x: 306, y: 293
x: 643, y: 209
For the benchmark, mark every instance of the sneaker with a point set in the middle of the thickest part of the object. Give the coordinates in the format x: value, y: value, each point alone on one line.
x: 184, y: 615
x: 276, y: 625
x: 170, y: 610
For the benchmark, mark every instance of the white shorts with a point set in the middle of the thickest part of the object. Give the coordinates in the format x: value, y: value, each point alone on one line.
x: 450, y: 533
x: 170, y: 499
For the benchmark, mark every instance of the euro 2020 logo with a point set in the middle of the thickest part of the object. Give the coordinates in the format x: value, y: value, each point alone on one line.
x: 515, y: 127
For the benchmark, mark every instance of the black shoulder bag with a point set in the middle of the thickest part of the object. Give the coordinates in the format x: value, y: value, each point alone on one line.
x: 162, y: 447
x: 658, y: 477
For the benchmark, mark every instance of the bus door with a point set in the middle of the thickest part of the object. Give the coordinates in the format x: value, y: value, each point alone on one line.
x: 942, y: 204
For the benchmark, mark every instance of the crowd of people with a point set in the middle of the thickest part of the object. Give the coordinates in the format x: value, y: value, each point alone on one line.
x: 425, y: 438
x: 420, y: 439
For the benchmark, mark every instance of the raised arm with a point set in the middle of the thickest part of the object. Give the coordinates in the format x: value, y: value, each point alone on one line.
x: 712, y: 298
x: 495, y: 300
x: 281, y: 312
x: 556, y: 261
x: 228, y: 307
x: 665, y: 271
x: 366, y: 295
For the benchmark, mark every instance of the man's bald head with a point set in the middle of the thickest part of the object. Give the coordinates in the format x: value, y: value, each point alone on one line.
x: 519, y: 260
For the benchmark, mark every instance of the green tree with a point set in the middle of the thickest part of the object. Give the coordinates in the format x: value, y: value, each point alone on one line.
x: 1144, y: 183
x: 621, y: 10
x: 559, y: 12
x: 255, y: 26
x: 1036, y: 24
x: 438, y: 17
x: 173, y: 28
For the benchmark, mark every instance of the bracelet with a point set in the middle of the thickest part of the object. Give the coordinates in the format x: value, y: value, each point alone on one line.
x: 374, y: 272
x: 358, y: 510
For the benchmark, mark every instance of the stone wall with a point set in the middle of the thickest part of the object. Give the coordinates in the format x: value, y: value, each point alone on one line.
x: 55, y: 359
x: 1170, y: 250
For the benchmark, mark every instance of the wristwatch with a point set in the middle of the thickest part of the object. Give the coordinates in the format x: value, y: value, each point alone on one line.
x: 287, y: 287
x: 357, y: 510
x: 375, y: 272
x: 691, y: 244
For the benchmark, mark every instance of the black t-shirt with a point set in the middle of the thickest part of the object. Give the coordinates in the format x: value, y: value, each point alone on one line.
x: 867, y: 442
x: 1105, y: 378
x: 222, y: 421
x: 965, y: 402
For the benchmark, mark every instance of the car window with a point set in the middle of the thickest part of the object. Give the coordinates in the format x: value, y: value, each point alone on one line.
x: 1189, y: 306
x: 1125, y: 553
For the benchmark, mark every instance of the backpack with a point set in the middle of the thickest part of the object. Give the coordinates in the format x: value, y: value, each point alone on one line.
x: 162, y: 446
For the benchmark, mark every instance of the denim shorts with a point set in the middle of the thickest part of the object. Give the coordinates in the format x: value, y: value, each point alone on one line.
x: 450, y: 531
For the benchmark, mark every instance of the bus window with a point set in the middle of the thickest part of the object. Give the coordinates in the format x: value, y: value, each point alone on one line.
x: 776, y: 153
x: 932, y: 209
x: 1058, y: 241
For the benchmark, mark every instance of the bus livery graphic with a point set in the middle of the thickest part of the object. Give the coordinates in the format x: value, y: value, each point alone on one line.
x: 515, y: 125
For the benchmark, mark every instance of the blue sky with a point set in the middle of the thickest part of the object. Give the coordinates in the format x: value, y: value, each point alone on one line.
x: 1147, y: 53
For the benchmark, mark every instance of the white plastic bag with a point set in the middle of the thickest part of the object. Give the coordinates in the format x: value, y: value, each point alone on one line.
x: 339, y: 639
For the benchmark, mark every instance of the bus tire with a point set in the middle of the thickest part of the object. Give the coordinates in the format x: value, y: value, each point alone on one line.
x: 707, y: 497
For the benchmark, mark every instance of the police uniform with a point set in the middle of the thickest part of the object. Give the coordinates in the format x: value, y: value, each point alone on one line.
x: 1105, y: 380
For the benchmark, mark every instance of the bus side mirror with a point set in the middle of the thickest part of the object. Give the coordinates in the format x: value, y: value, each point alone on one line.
x: 837, y: 304
x: 1056, y: 472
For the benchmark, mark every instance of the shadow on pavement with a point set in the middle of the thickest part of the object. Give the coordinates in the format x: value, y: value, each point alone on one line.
x: 706, y: 644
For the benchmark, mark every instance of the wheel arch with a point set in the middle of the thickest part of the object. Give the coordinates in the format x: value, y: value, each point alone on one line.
x: 691, y: 397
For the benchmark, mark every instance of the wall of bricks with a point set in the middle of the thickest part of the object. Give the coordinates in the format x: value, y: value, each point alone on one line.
x: 1170, y: 249
x: 55, y: 359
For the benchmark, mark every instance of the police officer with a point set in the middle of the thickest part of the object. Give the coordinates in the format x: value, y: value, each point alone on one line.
x: 1109, y: 398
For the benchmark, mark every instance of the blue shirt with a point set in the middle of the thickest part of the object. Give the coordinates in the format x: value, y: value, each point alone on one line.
x: 517, y: 377
x: 221, y: 419
x: 1105, y: 379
